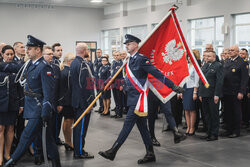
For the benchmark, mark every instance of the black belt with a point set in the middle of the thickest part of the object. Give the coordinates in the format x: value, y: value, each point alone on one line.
x: 32, y: 94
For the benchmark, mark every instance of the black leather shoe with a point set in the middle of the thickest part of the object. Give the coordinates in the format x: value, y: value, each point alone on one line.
x: 38, y: 160
x: 13, y: 163
x: 204, y: 137
x: 113, y: 116
x: 111, y: 153
x: 59, y: 142
x: 225, y: 134
x: 118, y: 116
x: 178, y: 137
x: 156, y: 142
x: 9, y: 163
x: 68, y: 147
x: 149, y: 157
x: 56, y: 162
x: 85, y: 155
x: 100, y: 110
x: 212, y: 138
x: 234, y: 135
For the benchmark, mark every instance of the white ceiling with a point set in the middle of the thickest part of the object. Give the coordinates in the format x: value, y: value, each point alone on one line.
x: 74, y: 3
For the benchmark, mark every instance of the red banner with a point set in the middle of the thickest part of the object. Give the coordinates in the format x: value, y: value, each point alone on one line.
x: 165, y: 50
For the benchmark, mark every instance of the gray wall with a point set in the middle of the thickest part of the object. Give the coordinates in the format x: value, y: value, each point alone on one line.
x: 60, y: 24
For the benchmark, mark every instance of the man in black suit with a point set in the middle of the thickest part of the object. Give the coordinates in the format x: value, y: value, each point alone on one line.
x: 209, y: 97
x: 235, y: 84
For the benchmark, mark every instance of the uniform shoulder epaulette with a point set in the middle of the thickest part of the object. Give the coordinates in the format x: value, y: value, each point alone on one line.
x: 45, y: 62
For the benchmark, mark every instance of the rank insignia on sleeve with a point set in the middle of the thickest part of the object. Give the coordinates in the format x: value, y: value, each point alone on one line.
x: 247, y: 66
x: 48, y: 73
x: 233, y: 70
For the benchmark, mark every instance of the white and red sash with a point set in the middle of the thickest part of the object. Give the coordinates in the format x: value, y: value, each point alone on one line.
x: 141, y: 108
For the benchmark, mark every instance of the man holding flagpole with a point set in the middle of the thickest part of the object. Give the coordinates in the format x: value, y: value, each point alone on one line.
x: 138, y: 68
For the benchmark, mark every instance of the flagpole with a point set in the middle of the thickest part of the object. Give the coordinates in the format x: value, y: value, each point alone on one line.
x: 100, y: 93
x: 190, y: 54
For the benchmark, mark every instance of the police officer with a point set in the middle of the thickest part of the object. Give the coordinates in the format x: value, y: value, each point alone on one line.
x: 234, y: 87
x: 116, y: 65
x: 98, y: 64
x: 244, y: 103
x: 209, y: 97
x: 81, y: 98
x: 140, y: 66
x: 38, y: 107
x: 55, y: 62
x: 153, y: 104
x: 57, y: 52
x: 19, y: 126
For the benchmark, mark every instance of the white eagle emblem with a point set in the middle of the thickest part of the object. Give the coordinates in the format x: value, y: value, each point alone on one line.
x: 172, y: 52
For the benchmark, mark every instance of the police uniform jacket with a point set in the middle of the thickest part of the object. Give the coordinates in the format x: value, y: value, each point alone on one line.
x: 104, y: 73
x: 56, y: 72
x: 65, y: 88
x: 235, y: 76
x: 39, y: 89
x: 81, y: 92
x: 10, y: 97
x: 116, y: 65
x: 140, y: 66
x: 98, y: 64
x: 56, y: 61
x: 214, y: 75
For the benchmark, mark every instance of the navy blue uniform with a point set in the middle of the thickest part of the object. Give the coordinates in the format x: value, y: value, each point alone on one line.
x: 38, y: 104
x: 10, y: 94
x: 81, y: 97
x: 104, y: 74
x: 57, y: 117
x: 98, y: 64
x: 153, y: 104
x: 140, y: 66
x: 116, y: 65
x: 19, y: 126
x: 214, y: 75
x: 235, y: 81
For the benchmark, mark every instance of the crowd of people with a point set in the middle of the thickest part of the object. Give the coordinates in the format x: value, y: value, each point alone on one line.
x: 41, y: 79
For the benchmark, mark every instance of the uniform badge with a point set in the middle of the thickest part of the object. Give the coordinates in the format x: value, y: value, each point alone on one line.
x: 49, y: 73
x: 233, y: 70
x: 147, y: 62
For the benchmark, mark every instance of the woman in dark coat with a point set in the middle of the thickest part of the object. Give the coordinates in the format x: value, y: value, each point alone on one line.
x: 65, y: 100
x: 104, y: 74
x: 9, y: 103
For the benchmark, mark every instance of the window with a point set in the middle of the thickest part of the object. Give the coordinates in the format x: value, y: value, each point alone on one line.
x: 138, y: 31
x: 204, y: 31
x: 111, y: 41
x: 242, y: 30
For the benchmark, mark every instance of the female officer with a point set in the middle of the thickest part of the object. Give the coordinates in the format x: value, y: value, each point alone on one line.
x: 65, y: 100
x: 104, y: 74
x: 9, y: 105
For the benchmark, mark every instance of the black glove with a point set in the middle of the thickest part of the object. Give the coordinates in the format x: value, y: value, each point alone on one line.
x: 46, y: 112
x: 177, y: 89
x: 45, y: 118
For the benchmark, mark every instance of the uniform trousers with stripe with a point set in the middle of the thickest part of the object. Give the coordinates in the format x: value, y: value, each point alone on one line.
x: 153, y: 104
x: 80, y: 132
x: 130, y: 121
x: 32, y: 130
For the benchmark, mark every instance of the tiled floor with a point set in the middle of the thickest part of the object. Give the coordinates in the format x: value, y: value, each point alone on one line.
x: 193, y: 152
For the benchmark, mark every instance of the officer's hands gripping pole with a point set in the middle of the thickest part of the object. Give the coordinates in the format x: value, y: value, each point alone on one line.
x: 100, y: 93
